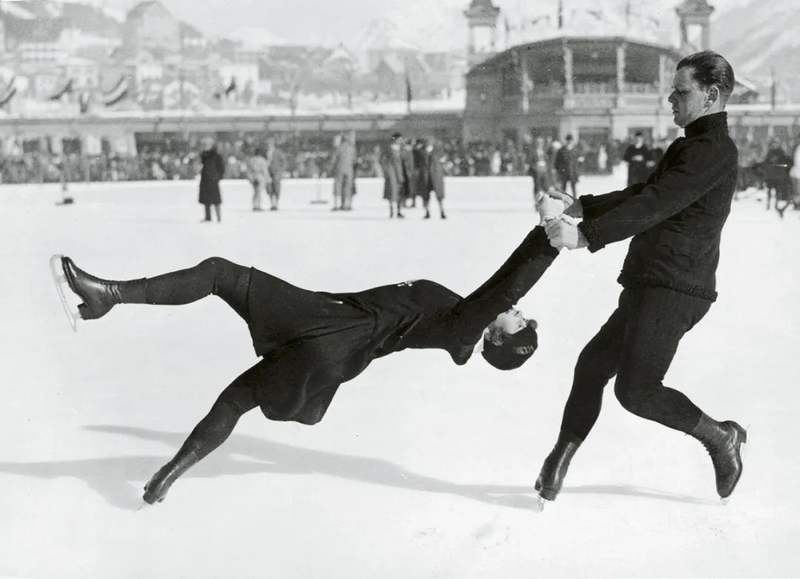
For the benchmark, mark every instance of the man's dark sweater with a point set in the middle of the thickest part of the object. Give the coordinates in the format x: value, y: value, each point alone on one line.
x: 676, y: 217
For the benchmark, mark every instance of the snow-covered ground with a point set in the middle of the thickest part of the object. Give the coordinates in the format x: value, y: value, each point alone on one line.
x: 420, y: 468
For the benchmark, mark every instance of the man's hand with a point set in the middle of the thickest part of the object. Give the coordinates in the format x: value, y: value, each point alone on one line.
x: 548, y: 207
x: 564, y: 232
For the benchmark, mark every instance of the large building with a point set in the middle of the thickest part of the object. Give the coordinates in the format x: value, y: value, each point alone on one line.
x: 597, y: 88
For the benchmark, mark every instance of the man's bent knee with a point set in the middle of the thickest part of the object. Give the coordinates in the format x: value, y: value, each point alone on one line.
x: 635, y: 398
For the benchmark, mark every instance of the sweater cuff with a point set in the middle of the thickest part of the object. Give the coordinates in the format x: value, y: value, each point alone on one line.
x: 542, y: 242
x: 588, y: 205
x: 592, y: 236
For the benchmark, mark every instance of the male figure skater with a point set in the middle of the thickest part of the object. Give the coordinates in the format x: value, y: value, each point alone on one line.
x: 311, y: 342
x: 668, y: 278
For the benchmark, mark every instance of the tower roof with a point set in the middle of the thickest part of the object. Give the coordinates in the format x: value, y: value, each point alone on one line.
x: 694, y: 7
x: 479, y: 8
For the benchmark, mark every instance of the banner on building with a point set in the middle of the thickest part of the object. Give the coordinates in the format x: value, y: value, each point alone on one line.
x: 117, y: 93
x: 8, y: 92
x: 63, y: 91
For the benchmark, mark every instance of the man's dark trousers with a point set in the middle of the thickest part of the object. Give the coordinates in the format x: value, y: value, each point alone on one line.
x: 637, y: 345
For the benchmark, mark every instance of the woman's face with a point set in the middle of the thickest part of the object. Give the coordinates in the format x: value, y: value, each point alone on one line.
x: 511, y: 321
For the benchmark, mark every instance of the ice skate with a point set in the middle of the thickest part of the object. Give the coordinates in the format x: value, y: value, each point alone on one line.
x: 98, y: 295
x: 155, y: 491
x: 61, y: 283
x: 554, y: 470
x: 723, y: 441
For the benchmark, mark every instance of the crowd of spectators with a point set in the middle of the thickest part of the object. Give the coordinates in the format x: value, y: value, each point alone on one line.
x: 312, y: 158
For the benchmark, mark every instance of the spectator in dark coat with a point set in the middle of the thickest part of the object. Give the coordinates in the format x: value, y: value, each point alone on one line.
x: 539, y: 162
x: 432, y: 170
x: 408, y: 187
x: 776, y: 174
x: 210, y: 176
x: 637, y: 155
x: 566, y: 165
x: 419, y: 157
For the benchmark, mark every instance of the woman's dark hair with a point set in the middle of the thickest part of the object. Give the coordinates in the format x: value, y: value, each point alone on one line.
x: 710, y: 68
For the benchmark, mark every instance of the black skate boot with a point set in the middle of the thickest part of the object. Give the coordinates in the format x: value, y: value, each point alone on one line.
x: 555, y: 466
x: 156, y: 489
x: 723, y: 441
x: 98, y: 295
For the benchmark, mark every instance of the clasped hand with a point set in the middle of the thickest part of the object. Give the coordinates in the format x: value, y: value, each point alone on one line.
x: 559, y: 220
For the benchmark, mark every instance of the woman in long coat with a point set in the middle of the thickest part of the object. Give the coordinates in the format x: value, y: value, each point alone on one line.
x: 433, y: 178
x: 210, y: 176
x: 392, y: 166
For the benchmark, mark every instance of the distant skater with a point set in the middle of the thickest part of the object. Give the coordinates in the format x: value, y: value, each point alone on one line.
x: 210, y: 175
x: 311, y: 342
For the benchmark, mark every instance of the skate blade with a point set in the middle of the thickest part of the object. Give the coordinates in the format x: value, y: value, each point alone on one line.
x: 60, y: 280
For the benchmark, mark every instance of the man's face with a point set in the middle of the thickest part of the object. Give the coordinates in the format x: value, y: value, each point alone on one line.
x: 688, y: 98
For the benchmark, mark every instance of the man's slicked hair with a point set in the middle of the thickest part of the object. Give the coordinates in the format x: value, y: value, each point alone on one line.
x: 710, y: 68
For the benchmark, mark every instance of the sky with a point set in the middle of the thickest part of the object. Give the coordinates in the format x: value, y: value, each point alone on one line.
x: 427, y: 24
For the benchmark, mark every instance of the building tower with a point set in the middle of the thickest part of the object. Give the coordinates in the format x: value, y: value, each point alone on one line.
x: 482, y: 21
x: 695, y: 25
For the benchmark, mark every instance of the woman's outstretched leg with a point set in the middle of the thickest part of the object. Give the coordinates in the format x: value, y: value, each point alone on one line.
x: 214, y: 275
x: 211, y: 431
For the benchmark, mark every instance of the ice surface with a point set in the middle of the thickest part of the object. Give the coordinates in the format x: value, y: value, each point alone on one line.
x: 421, y: 468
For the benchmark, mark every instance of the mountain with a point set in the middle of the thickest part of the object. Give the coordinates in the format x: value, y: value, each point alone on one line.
x: 762, y: 35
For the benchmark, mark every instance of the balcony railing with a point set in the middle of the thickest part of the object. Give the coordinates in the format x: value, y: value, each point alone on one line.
x: 641, y: 87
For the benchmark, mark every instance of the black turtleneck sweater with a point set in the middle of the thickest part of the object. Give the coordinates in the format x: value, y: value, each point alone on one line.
x: 676, y: 217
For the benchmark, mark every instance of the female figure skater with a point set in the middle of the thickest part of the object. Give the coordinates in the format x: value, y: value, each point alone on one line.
x: 311, y: 342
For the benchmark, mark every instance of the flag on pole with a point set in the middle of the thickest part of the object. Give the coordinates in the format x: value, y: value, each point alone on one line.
x: 773, y: 90
x: 409, y: 92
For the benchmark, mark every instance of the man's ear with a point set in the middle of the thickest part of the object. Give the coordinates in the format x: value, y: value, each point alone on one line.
x: 713, y: 95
